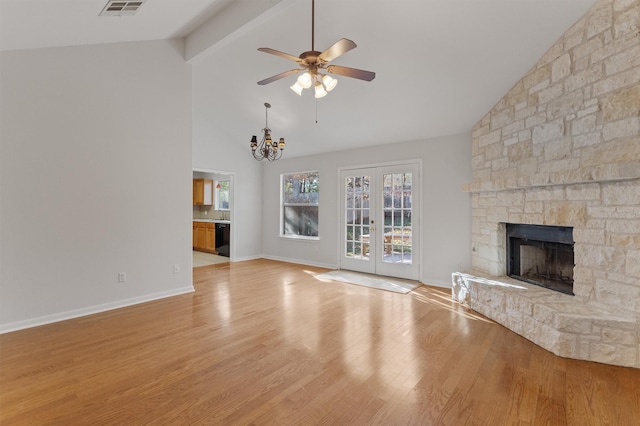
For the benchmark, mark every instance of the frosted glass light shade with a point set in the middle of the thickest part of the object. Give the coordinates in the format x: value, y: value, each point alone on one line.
x: 296, y: 88
x: 329, y: 82
x: 320, y: 92
x: 305, y: 80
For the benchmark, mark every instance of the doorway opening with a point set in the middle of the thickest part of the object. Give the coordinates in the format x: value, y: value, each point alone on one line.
x: 212, y: 239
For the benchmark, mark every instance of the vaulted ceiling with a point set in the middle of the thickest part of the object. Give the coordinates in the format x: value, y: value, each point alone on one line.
x: 440, y: 64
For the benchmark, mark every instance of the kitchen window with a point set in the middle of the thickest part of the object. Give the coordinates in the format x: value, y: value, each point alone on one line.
x: 222, y: 195
x: 300, y: 204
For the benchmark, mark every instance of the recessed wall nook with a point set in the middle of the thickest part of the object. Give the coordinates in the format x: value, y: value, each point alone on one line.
x: 562, y: 149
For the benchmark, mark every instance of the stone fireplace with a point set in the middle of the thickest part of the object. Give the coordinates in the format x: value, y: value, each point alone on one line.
x: 562, y: 149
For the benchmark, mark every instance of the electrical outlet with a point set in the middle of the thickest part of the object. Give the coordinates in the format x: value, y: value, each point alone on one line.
x: 122, y: 277
x: 176, y: 268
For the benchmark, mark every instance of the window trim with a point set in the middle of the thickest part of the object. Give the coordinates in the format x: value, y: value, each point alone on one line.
x: 283, y: 205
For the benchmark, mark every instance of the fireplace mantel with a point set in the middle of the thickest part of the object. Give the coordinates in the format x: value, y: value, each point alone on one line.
x: 497, y: 186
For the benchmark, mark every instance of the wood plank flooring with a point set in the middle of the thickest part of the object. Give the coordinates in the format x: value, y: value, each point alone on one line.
x: 264, y: 342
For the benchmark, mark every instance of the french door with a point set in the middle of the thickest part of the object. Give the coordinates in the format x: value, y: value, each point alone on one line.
x: 378, y: 207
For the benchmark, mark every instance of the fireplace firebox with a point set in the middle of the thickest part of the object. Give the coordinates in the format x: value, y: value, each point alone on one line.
x: 541, y: 255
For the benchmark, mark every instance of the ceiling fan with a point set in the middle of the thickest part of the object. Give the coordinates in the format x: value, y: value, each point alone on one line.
x: 312, y: 62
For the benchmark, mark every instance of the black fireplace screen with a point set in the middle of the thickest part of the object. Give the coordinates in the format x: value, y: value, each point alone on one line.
x: 541, y: 255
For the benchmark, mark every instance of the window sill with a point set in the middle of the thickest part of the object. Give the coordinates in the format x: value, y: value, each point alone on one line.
x: 299, y: 237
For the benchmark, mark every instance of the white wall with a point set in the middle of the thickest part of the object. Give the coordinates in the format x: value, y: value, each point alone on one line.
x: 214, y: 150
x: 95, y: 179
x: 446, y: 213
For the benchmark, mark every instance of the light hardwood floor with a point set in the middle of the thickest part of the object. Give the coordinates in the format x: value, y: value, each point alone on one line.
x: 264, y: 342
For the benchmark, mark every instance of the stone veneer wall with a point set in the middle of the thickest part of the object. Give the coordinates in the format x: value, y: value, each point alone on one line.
x: 563, y: 148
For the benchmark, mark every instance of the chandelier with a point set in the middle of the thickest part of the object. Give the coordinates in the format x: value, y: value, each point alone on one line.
x: 266, y: 148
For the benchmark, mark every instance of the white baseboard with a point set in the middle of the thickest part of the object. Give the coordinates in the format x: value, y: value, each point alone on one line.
x: 243, y: 259
x: 48, y: 319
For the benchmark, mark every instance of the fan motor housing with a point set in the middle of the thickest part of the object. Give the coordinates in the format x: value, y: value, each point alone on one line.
x: 311, y: 57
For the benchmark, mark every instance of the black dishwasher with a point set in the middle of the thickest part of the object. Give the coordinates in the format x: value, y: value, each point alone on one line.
x: 222, y: 238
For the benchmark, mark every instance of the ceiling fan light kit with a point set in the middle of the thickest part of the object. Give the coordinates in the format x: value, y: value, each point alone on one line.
x: 312, y: 61
x: 322, y: 84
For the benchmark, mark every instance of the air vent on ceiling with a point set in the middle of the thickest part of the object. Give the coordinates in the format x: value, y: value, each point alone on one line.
x: 121, y: 8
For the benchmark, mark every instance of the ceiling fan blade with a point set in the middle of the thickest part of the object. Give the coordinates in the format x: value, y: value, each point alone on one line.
x: 278, y: 77
x: 281, y: 54
x: 351, y: 72
x: 339, y: 48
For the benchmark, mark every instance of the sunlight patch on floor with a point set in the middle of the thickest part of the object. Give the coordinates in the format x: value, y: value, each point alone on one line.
x: 379, y: 282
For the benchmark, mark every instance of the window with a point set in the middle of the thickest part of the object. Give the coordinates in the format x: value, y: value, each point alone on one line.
x: 222, y: 195
x: 300, y: 204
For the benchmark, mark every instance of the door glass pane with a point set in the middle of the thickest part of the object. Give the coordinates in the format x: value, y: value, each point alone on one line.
x: 397, y: 200
x: 358, y: 233
x: 386, y: 181
x: 356, y: 215
x: 358, y: 184
x: 397, y: 235
x: 349, y: 198
x: 406, y: 202
x: 398, y: 181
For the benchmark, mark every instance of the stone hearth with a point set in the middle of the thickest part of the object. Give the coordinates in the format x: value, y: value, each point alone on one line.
x: 557, y: 322
x: 562, y: 148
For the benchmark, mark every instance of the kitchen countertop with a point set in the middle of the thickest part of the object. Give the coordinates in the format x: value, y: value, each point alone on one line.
x: 212, y: 220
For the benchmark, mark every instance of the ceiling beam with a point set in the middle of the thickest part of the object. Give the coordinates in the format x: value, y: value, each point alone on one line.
x: 236, y: 19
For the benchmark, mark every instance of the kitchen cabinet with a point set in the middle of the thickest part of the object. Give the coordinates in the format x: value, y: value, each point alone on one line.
x: 200, y: 240
x: 204, y: 237
x: 202, y: 192
x: 194, y: 238
x: 211, y: 237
